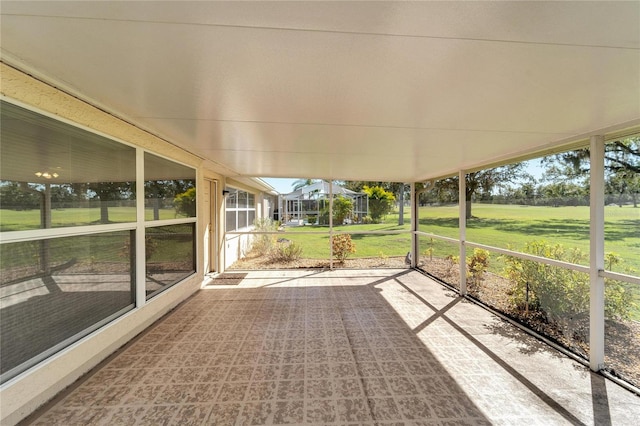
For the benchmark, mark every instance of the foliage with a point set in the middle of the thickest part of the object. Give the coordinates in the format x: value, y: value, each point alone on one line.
x: 380, y: 201
x: 263, y: 244
x: 478, y: 264
x: 366, y: 220
x: 301, y: 183
x: 478, y: 183
x: 286, y: 251
x: 430, y: 249
x: 150, y: 246
x: 342, y: 209
x: 622, y: 167
x: 342, y: 246
x: 185, y: 202
x: 559, y: 294
x: 19, y: 196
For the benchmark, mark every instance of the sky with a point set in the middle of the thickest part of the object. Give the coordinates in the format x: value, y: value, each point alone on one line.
x: 282, y: 185
x: 285, y: 186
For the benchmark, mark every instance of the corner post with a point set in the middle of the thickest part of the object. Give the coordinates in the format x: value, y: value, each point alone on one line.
x: 415, y: 243
x: 596, y: 254
x: 462, y: 224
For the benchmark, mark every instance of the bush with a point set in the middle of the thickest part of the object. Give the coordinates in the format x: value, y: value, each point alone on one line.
x: 263, y: 244
x: 287, y: 251
x: 342, y: 246
x: 185, y: 203
x: 342, y: 209
x: 380, y: 202
x: 559, y: 294
x: 478, y: 265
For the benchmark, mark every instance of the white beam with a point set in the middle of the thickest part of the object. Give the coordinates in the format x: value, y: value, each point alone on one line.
x: 140, y: 249
x: 462, y: 213
x: 596, y: 326
x: 415, y: 248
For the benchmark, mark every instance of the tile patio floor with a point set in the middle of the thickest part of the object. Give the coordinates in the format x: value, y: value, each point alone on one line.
x: 378, y: 347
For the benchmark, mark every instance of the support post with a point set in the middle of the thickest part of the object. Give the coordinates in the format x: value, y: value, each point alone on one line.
x: 596, y: 314
x: 415, y: 243
x: 462, y: 225
x: 140, y: 249
x: 331, y: 224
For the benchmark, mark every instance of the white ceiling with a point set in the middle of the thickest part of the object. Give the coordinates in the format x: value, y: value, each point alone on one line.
x: 364, y: 91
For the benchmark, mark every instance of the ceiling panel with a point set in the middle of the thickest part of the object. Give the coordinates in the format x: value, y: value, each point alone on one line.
x: 350, y: 90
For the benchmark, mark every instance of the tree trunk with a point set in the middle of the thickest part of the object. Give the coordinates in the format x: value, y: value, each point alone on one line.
x: 104, y: 211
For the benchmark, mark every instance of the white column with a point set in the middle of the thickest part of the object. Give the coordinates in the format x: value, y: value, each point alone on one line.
x: 596, y: 325
x: 415, y: 246
x: 331, y: 224
x: 141, y: 275
x: 463, y: 230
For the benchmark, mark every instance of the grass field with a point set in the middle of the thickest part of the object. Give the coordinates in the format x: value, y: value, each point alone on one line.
x: 13, y: 220
x: 501, y: 226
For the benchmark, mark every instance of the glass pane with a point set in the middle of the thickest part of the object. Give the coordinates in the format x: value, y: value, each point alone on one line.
x: 169, y: 188
x: 232, y: 198
x: 52, y: 290
x: 231, y: 224
x: 251, y: 203
x: 55, y: 175
x: 170, y: 256
x: 242, y: 199
x: 242, y: 219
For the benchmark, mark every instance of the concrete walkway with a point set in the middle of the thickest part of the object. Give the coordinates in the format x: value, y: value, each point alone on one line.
x: 378, y: 347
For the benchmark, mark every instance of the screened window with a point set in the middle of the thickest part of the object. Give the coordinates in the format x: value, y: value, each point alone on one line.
x: 59, y: 285
x: 170, y: 253
x: 169, y: 189
x: 57, y: 289
x: 240, y: 209
x: 55, y: 175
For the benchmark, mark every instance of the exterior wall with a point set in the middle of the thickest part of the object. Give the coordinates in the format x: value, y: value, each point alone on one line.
x: 26, y: 392
x: 237, y: 246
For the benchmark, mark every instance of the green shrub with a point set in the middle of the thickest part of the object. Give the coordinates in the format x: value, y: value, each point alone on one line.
x: 287, y: 251
x: 478, y: 265
x: 185, y: 203
x: 559, y: 294
x: 380, y: 202
x: 342, y: 246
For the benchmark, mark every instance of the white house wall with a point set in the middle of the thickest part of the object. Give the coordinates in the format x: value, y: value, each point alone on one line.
x: 26, y: 392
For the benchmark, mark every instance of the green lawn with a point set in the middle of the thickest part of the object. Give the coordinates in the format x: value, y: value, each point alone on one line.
x: 501, y: 226
x: 13, y: 220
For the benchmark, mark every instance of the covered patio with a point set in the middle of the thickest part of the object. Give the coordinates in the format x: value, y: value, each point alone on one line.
x: 337, y: 347
x: 159, y: 112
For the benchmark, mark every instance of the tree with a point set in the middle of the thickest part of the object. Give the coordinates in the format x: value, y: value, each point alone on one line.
x: 342, y: 209
x: 482, y: 181
x: 110, y: 191
x: 622, y: 166
x: 185, y: 203
x: 301, y: 183
x: 380, y: 201
x: 396, y: 188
